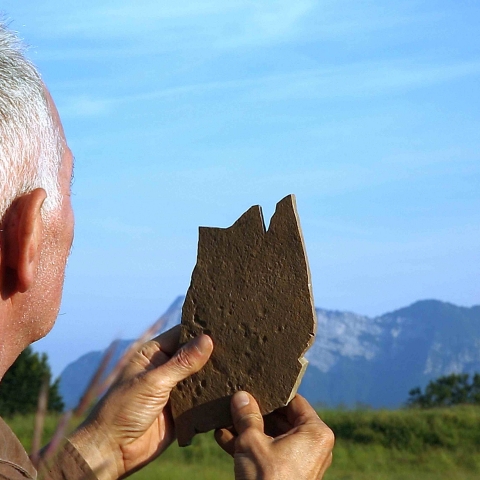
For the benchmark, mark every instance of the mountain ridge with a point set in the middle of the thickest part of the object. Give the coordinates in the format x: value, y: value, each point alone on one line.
x: 357, y: 359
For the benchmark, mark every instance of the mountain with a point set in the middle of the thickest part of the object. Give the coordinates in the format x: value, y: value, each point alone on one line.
x: 377, y: 361
x: 357, y: 359
x: 77, y: 375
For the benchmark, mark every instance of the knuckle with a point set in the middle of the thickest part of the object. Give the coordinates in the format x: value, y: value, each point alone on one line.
x: 148, y: 349
x: 145, y: 348
x: 326, y: 437
x: 184, y: 360
x: 249, y: 440
x: 248, y: 419
x: 330, y: 437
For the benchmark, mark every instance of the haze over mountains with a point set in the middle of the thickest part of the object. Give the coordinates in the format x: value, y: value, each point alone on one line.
x: 357, y: 359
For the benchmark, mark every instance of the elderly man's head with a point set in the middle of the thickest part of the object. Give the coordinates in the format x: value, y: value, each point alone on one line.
x: 36, y: 217
x: 30, y: 144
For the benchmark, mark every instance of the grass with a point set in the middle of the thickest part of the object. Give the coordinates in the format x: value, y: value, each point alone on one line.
x: 411, y: 430
x: 23, y: 425
x: 203, y: 460
x: 432, y: 444
x: 371, y: 445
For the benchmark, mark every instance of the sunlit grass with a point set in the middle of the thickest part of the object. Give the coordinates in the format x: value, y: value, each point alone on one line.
x: 371, y: 445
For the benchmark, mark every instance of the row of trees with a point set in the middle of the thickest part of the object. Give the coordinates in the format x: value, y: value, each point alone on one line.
x: 446, y: 391
x: 20, y: 387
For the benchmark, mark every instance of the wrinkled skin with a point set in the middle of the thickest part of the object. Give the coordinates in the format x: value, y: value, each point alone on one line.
x: 293, y: 443
x: 132, y: 424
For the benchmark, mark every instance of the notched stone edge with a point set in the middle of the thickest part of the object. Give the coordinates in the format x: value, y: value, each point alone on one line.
x: 254, y: 213
x: 292, y: 203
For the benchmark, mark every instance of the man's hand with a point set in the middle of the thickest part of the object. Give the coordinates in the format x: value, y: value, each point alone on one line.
x: 301, y: 449
x: 132, y: 424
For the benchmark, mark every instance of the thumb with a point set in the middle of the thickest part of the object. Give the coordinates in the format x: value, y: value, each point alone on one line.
x: 187, y: 360
x: 246, y: 413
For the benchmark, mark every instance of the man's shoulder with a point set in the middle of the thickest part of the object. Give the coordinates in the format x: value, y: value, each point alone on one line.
x: 14, y: 461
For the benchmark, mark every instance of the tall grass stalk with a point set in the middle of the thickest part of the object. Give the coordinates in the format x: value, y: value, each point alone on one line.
x: 98, y: 385
x: 444, y: 445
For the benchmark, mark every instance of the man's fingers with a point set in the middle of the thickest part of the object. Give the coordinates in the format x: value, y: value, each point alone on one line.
x: 246, y: 413
x: 226, y: 439
x: 168, y: 341
x: 276, y: 424
x: 302, y: 415
x: 186, y: 361
x: 300, y: 412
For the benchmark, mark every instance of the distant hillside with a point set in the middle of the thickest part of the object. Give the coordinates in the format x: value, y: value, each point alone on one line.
x: 76, y: 376
x: 376, y: 361
x: 356, y: 359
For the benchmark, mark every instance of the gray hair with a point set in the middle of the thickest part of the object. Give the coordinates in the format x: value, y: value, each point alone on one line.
x: 30, y: 144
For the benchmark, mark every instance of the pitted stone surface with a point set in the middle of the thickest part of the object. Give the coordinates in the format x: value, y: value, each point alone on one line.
x: 251, y: 292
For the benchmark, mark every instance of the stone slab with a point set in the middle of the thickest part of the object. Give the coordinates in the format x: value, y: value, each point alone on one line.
x: 251, y: 292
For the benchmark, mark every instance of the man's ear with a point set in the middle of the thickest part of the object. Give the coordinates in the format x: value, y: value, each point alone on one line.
x: 24, y: 229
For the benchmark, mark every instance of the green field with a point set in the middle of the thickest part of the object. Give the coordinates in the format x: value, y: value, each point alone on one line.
x: 373, y: 445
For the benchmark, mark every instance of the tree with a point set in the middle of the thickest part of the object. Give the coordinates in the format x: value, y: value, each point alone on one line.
x: 20, y: 387
x: 454, y: 389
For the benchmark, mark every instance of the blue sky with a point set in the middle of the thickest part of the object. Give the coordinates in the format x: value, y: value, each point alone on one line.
x: 186, y: 113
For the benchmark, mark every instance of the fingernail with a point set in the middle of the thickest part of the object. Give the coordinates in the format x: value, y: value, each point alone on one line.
x: 202, y: 343
x: 240, y: 400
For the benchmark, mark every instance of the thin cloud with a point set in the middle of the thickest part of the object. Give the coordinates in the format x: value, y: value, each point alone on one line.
x: 113, y: 28
x: 172, y: 25
x: 116, y: 226
x: 335, y: 83
x: 363, y: 80
x: 83, y: 106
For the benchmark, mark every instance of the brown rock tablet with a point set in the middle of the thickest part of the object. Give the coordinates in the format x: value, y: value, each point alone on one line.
x: 251, y: 292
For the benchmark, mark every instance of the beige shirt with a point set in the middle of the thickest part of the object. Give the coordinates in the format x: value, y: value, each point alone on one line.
x: 15, y: 464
